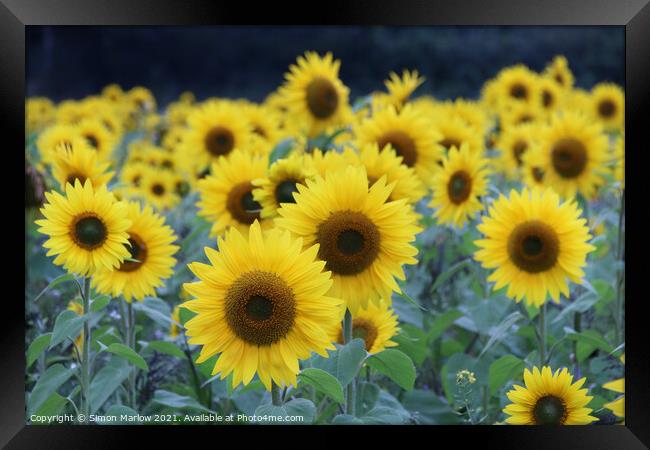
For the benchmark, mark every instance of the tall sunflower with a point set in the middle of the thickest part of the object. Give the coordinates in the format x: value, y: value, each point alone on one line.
x: 314, y: 94
x: 549, y: 398
x: 363, y: 239
x: 226, y: 195
x: 79, y: 162
x: 576, y: 153
x: 376, y: 324
x: 261, y: 305
x: 535, y: 242
x: 608, y: 105
x: 87, y: 228
x: 459, y: 186
x: 151, y: 261
x: 409, y: 133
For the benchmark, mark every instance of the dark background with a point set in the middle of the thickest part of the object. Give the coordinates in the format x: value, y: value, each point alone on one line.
x: 72, y: 62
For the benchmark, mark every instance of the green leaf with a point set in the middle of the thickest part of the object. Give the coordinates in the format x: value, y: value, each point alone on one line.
x: 301, y: 407
x: 447, y: 274
x: 367, y: 396
x: 166, y: 347
x: 106, y: 381
x: 581, y: 304
x: 99, y: 303
x: 382, y: 415
x: 121, y: 415
x: 37, y: 347
x: 270, y: 414
x: 202, y: 227
x: 395, y: 365
x: 174, y: 400
x: 52, y: 406
x: 588, y: 341
x: 129, y: 354
x: 281, y: 150
x: 47, y: 384
x: 428, y: 409
x: 349, y: 359
x: 413, y: 342
x: 504, y: 369
x: 500, y: 332
x: 346, y: 419
x: 156, y: 309
x: 323, y: 382
x: 410, y: 299
x: 68, y: 324
x: 58, y: 280
x: 441, y: 323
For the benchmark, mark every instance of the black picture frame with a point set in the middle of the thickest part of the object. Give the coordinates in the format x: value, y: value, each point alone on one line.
x: 633, y: 15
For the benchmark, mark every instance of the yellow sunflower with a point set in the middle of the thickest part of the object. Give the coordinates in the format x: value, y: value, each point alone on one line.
x: 617, y: 406
x: 459, y: 186
x: 519, y: 114
x: 517, y: 84
x: 409, y: 133
x: 324, y: 162
x: 79, y: 162
x: 151, y: 257
x: 40, y: 113
x: 55, y: 139
x: 549, y: 398
x: 363, y: 239
x: 226, y: 195
x: 455, y: 132
x: 215, y: 130
x: 264, y: 123
x: 576, y: 153
x: 401, y: 88
x: 142, y: 98
x: 551, y: 96
x: 386, y: 162
x: 559, y: 71
x: 535, y: 242
x: 86, y: 228
x: 280, y: 183
x: 113, y: 92
x: 314, y: 94
x: 608, y: 105
x: 158, y: 187
x: 261, y: 305
x: 376, y: 324
x: 98, y: 137
x: 534, y: 168
x: 176, y: 318
x: 513, y: 143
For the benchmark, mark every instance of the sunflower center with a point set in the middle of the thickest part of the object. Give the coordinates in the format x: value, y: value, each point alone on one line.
x: 518, y: 150
x: 549, y: 410
x: 518, y: 90
x: 606, y: 108
x: 538, y: 174
x: 75, y: 176
x: 219, y: 141
x: 241, y: 205
x: 449, y: 143
x: 167, y: 164
x: 138, y: 251
x: 547, y: 99
x: 349, y: 242
x: 533, y: 246
x: 402, y: 144
x: 158, y: 189
x: 89, y: 231
x: 136, y: 180
x: 459, y: 187
x: 259, y: 131
x: 569, y: 157
x: 284, y: 191
x: 322, y: 98
x: 260, y: 308
x: 92, y: 140
x: 559, y: 79
x: 362, y: 329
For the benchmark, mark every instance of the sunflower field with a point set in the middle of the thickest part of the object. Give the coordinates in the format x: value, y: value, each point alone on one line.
x: 321, y: 259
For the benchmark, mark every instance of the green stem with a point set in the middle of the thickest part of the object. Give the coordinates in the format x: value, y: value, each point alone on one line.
x: 577, y: 326
x: 350, y: 401
x: 276, y: 395
x: 131, y: 344
x: 85, y: 352
x: 542, y: 335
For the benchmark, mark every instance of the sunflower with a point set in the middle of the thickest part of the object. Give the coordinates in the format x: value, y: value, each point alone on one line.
x: 376, y: 324
x: 142, y: 99
x: 535, y: 242
x: 261, y: 305
x: 226, y: 195
x: 264, y: 123
x: 400, y: 89
x: 314, y: 94
x: 386, y: 162
x: 175, y: 319
x: 534, y: 168
x: 608, y: 105
x: 324, y: 162
x: 576, y: 153
x: 455, y: 132
x: 559, y: 71
x: 40, y: 112
x: 70, y: 112
x: 86, y: 228
x: 409, y: 133
x: 549, y: 399
x: 513, y: 143
x: 550, y: 94
x: 363, y: 239
x: 517, y: 84
x: 459, y: 186
x: 98, y: 137
x: 470, y: 112
x: 158, y: 187
x: 280, y: 183
x: 79, y: 162
x: 151, y: 257
x: 617, y: 406
x: 113, y: 93
x: 55, y: 139
x: 519, y: 114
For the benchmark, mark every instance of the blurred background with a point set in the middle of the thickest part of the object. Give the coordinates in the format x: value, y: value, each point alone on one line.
x: 73, y: 62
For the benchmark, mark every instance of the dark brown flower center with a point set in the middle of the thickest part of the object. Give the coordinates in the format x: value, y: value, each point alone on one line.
x: 518, y: 150
x: 158, y: 189
x: 569, y: 157
x: 402, y: 144
x: 219, y: 141
x: 518, y: 90
x: 550, y: 410
x: 450, y: 142
x: 241, y: 205
x: 559, y: 78
x: 362, y: 329
x: 533, y: 246
x: 260, y: 308
x: 259, y: 131
x: 92, y: 140
x: 538, y: 174
x: 75, y: 176
x: 284, y: 191
x: 322, y: 98
x: 138, y: 252
x: 89, y: 231
x: 606, y: 108
x: 547, y: 99
x: 459, y: 187
x: 349, y: 242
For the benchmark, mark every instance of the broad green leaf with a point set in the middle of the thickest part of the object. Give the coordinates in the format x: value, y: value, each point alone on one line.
x: 68, y: 324
x: 412, y: 341
x: 270, y: 414
x: 367, y: 396
x: 47, y: 384
x: 504, y: 369
x: 447, y: 274
x: 441, y: 323
x: 156, y: 309
x: 55, y: 282
x: 429, y: 409
x: 37, y: 347
x: 346, y: 419
x: 99, y: 303
x: 301, y: 407
x: 166, y: 347
x: 106, y: 381
x: 129, y: 354
x: 382, y: 415
x: 174, y: 400
x: 500, y: 332
x: 281, y: 150
x: 52, y: 406
x: 349, y: 359
x: 581, y: 304
x: 322, y: 382
x: 202, y: 227
x: 121, y: 415
x: 588, y: 341
x: 395, y: 365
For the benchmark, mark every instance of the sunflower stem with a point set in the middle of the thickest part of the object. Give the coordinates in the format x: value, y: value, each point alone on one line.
x: 85, y: 352
x: 577, y: 326
x: 542, y: 334
x: 350, y: 402
x: 130, y: 337
x: 276, y: 395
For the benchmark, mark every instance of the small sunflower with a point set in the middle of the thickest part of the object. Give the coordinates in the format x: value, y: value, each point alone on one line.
x: 550, y: 95
x: 261, y: 305
x: 142, y: 98
x: 158, y: 187
x: 54, y: 139
x: 98, y: 137
x: 280, y: 183
x: 608, y: 105
x: 401, y: 88
x: 363, y: 239
x: 455, y: 132
x: 576, y: 153
x: 87, y: 228
x: 559, y: 71
x: 79, y: 162
x: 517, y: 84
x: 534, y: 168
x: 513, y: 143
x: 459, y: 186
x: 151, y: 257
x: 314, y: 93
x: 324, y: 162
x: 376, y: 324
x: 40, y: 113
x: 226, y: 195
x: 521, y: 113
x: 535, y: 242
x: 113, y: 93
x: 264, y: 123
x: 409, y: 133
x: 549, y: 398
